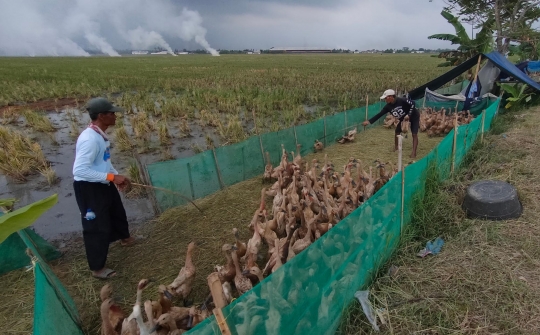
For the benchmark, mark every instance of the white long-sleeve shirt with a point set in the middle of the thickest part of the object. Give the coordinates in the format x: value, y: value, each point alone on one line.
x: 92, y: 158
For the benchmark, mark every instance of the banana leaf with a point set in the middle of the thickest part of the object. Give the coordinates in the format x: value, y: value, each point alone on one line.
x: 446, y: 37
x: 460, y: 30
x: 25, y: 216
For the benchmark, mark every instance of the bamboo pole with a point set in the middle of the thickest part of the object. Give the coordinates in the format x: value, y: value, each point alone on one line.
x: 483, y: 121
x: 221, y: 321
x: 424, y: 102
x: 169, y: 191
x: 454, y: 145
x: 220, y: 178
x: 402, y: 215
x: 400, y: 152
x: 477, y: 68
x: 457, y: 104
x: 217, y: 290
x: 367, y: 107
x: 324, y: 120
x: 258, y: 135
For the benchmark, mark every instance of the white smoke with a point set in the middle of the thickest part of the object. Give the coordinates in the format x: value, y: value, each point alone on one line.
x: 65, y: 27
x: 142, y: 39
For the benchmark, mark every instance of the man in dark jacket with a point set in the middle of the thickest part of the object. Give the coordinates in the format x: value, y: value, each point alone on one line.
x: 399, y: 108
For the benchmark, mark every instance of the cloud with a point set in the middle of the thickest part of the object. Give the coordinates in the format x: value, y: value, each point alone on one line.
x: 65, y: 27
x: 357, y: 24
x: 61, y: 27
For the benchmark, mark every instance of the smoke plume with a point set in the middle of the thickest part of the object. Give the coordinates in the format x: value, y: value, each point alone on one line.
x: 67, y: 28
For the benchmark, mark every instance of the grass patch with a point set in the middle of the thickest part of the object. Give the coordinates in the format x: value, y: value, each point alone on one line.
x: 38, y: 121
x: 481, y: 282
x: 19, y: 155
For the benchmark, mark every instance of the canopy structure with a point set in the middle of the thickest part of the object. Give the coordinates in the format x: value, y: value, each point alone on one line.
x: 487, y: 75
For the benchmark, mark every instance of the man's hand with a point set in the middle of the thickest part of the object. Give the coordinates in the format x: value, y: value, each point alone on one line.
x: 365, y: 123
x: 119, y: 179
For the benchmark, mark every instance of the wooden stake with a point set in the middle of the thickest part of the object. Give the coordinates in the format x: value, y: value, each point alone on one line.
x: 222, y: 323
x: 170, y: 191
x: 324, y: 120
x: 424, y: 102
x: 217, y: 290
x: 260, y: 139
x: 220, y: 179
x: 454, y: 145
x: 483, y: 120
x: 402, y: 199
x: 367, y: 107
x: 400, y: 152
x: 477, y: 68
x: 457, y: 103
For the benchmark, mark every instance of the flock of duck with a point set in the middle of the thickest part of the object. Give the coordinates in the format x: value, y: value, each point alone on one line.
x: 307, y: 201
x: 435, y: 123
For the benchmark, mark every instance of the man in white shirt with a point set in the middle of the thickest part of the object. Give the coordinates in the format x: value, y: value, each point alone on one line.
x: 102, y: 212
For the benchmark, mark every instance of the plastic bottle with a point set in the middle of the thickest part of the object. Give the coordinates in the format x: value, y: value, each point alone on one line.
x: 90, y: 215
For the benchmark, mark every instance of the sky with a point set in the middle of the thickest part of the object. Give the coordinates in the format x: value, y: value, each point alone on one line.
x: 69, y: 27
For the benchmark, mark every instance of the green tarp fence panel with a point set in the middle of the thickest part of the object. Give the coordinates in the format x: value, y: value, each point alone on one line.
x: 12, y: 251
x: 450, y: 106
x: 454, y: 89
x: 54, y: 310
x: 309, y: 293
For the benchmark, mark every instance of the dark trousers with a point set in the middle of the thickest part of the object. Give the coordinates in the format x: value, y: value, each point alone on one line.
x: 109, y: 225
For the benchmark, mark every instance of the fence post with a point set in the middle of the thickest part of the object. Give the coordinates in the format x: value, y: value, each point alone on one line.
x: 221, y: 184
x: 454, y: 145
x: 402, y: 200
x: 400, y: 152
x: 190, y: 181
x: 259, y: 136
x: 346, y: 123
x: 324, y: 119
x: 367, y: 107
x: 482, y: 129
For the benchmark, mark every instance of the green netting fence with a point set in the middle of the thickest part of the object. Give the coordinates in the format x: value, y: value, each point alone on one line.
x: 203, y: 174
x: 309, y: 293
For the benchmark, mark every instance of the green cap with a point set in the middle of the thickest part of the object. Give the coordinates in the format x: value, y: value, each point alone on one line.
x: 101, y: 105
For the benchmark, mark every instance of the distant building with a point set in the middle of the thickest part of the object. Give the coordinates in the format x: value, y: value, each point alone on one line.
x: 182, y: 53
x: 139, y: 52
x: 299, y: 50
x: 257, y: 52
x: 418, y: 52
x: 159, y: 53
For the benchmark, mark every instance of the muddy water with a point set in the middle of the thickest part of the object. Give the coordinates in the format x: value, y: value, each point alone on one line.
x: 63, y: 220
x: 64, y: 217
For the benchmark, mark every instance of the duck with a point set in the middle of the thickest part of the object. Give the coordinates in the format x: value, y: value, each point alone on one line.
x: 116, y: 315
x: 183, y: 283
x: 242, y: 283
x: 318, y: 146
x: 303, y: 243
x: 164, y: 300
x: 166, y: 323
x: 226, y: 273
x: 241, y: 246
x: 106, y: 326
x: 254, y: 271
x: 267, y: 176
x: 137, y: 313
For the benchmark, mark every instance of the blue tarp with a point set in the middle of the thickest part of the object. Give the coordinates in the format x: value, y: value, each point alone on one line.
x: 505, y: 65
x: 496, y: 58
x: 534, y: 66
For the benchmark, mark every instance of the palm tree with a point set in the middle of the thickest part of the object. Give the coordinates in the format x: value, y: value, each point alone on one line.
x: 482, y: 43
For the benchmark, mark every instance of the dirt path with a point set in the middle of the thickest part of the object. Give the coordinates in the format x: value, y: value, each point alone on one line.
x: 485, y: 281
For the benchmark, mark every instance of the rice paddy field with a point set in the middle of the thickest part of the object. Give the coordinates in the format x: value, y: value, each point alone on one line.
x: 175, y: 107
